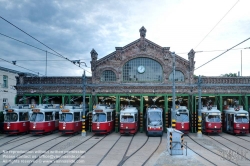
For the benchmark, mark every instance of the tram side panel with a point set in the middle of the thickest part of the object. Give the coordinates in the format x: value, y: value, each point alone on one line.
x: 103, y: 119
x: 129, y: 120
x: 236, y: 120
x: 154, y: 121
x: 44, y: 119
x: 16, y: 119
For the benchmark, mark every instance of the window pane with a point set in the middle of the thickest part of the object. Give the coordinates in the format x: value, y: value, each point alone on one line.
x: 142, y: 70
x: 108, y: 76
x: 179, y: 76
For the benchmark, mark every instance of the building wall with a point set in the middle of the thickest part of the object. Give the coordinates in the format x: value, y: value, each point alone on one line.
x: 7, y: 93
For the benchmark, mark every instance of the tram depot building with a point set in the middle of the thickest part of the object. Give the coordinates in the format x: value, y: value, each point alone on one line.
x: 135, y: 74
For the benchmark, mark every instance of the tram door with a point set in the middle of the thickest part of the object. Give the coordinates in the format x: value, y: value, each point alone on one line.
x: 203, y: 122
x: 230, y: 122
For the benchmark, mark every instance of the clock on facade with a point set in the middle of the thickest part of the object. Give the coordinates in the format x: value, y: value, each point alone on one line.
x: 141, y: 69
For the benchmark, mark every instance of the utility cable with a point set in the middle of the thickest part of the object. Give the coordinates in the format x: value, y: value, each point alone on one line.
x: 37, y: 40
x: 216, y: 24
x: 222, y: 53
x: 21, y: 67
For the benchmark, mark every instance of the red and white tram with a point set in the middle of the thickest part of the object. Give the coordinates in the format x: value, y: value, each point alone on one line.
x: 154, y: 121
x: 16, y: 119
x: 182, y: 119
x: 70, y: 119
x: 129, y: 120
x: 103, y: 119
x: 44, y: 118
x: 211, y: 119
x: 236, y: 120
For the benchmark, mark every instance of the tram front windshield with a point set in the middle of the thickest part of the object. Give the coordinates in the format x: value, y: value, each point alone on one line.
x: 99, y: 117
x: 154, y: 118
x: 213, y: 118
x: 11, y: 117
x: 182, y: 117
x: 241, y: 118
x: 66, y: 117
x: 127, y: 118
x: 37, y: 117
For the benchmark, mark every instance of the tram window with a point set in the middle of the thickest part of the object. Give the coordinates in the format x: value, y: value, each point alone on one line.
x: 23, y: 116
x: 155, y: 118
x: 56, y: 115
x: 136, y: 118
x: 36, y: 117
x: 76, y: 116
x: 182, y: 117
x: 241, y: 119
x: 66, y: 117
x: 213, y: 118
x: 99, y: 117
x: 48, y: 116
x: 11, y: 117
x: 127, y: 118
x: 109, y: 117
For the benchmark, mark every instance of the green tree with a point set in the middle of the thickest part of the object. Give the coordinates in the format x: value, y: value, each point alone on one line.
x: 229, y: 75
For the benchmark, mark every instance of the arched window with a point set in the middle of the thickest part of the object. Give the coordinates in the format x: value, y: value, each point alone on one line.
x: 142, y: 70
x: 179, y: 76
x: 108, y: 76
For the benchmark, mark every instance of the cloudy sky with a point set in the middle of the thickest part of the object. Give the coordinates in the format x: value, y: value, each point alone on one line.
x: 74, y: 28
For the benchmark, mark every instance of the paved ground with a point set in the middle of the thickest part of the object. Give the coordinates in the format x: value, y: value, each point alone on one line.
x: 114, y: 149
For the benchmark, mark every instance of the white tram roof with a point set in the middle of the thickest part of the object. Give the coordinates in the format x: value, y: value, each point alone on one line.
x: 154, y: 108
x: 231, y: 110
x: 103, y: 107
x: 19, y: 108
x: 181, y: 108
x: 213, y: 110
x: 47, y: 107
x: 129, y: 109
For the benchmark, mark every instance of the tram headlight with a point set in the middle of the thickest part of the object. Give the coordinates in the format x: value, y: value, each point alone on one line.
x: 243, y: 127
x: 8, y: 127
x: 215, y: 127
x: 34, y: 127
x: 126, y: 127
x: 63, y: 127
x: 98, y: 127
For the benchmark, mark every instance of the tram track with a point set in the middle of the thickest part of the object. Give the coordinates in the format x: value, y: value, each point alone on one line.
x: 229, y: 147
x: 124, y: 155
x: 70, y: 150
x: 242, y: 139
x: 11, y: 139
x: 109, y: 151
x: 87, y: 150
x: 143, y: 145
x: 51, y: 148
x: 30, y: 150
x: 210, y: 151
x: 235, y: 142
x: 153, y: 152
x: 14, y: 140
x: 22, y: 144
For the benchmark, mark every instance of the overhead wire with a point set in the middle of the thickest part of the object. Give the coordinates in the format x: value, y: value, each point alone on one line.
x: 217, y: 24
x: 213, y: 50
x: 34, y: 46
x: 37, y: 40
x: 21, y: 67
x: 222, y: 53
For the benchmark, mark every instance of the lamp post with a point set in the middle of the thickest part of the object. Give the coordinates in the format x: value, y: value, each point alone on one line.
x: 199, y: 133
x: 83, y: 104
x: 173, y: 94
